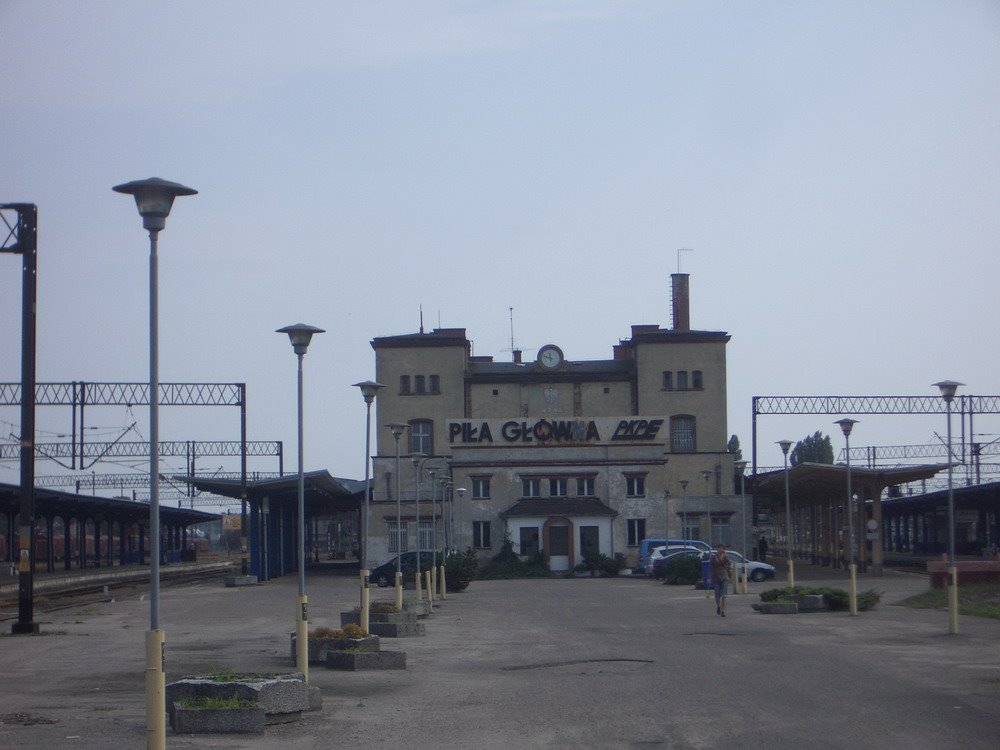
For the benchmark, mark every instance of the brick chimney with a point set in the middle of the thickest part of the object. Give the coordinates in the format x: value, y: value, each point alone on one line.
x: 681, y: 301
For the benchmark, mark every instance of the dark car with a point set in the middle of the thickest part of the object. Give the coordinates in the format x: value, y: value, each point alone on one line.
x: 659, y: 563
x: 385, y: 574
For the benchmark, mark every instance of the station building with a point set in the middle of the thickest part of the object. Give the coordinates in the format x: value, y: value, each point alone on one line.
x: 561, y: 456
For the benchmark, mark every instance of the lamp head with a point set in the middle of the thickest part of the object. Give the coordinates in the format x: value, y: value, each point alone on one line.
x: 684, y: 484
x: 705, y: 473
x: 948, y: 388
x: 397, y: 429
x: 154, y: 198
x: 785, y: 445
x: 846, y: 424
x: 369, y: 389
x: 740, y: 466
x: 461, y: 492
x: 300, y: 335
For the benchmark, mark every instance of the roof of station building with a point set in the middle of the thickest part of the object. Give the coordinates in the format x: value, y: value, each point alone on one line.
x: 558, y: 506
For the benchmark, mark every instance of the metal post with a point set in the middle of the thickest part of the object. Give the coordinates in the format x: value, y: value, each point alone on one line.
x: 952, y: 565
x: 302, y: 624
x: 25, y: 245
x: 684, y: 510
x: 785, y: 445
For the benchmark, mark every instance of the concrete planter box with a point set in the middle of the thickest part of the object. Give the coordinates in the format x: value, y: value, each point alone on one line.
x: 810, y: 602
x: 282, y: 697
x: 394, y: 630
x: 779, y: 608
x: 231, y: 581
x: 320, y: 647
x: 358, y: 660
x: 217, y: 720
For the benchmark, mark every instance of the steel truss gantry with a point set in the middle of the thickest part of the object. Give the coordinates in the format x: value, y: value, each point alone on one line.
x: 965, y: 407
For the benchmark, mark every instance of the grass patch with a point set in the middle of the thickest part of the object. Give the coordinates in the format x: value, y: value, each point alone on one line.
x: 226, y: 674
x: 205, y: 701
x: 976, y: 600
x: 837, y: 600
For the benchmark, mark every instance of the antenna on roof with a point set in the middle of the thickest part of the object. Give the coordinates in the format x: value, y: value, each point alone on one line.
x: 511, y: 328
x: 421, y: 318
x: 679, y: 251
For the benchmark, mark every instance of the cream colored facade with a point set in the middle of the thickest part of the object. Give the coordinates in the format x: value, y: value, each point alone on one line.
x: 562, y: 457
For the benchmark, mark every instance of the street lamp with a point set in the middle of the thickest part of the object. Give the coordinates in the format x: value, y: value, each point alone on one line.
x: 684, y: 510
x: 785, y: 445
x: 369, y: 389
x: 397, y: 432
x: 154, y: 198
x: 707, y: 475
x: 948, y: 388
x: 846, y: 425
x: 461, y: 496
x: 300, y: 335
x: 417, y: 473
x: 666, y: 516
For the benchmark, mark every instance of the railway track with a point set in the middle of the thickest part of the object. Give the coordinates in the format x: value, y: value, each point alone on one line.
x: 72, y: 591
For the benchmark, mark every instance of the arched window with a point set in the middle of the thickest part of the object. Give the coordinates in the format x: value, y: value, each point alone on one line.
x: 422, y: 437
x: 682, y: 435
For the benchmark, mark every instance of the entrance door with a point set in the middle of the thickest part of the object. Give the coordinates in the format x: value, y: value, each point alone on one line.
x: 590, y: 544
x: 559, y: 547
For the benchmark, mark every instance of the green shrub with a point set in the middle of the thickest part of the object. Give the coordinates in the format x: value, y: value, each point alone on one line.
x: 460, y: 569
x: 506, y: 564
x: 682, y: 570
x: 837, y: 600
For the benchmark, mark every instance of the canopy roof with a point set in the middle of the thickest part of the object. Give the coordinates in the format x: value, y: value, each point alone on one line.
x: 320, y: 487
x: 558, y: 506
x: 825, y: 480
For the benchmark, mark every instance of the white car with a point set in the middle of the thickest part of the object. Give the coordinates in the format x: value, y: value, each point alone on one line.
x: 756, y: 571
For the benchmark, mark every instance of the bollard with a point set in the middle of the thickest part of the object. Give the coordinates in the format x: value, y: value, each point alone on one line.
x: 854, y: 588
x: 156, y: 691
x: 365, y: 600
x: 302, y: 637
x: 399, y: 591
x: 417, y: 584
x: 430, y: 587
x: 444, y: 587
x: 791, y: 573
x: 952, y: 598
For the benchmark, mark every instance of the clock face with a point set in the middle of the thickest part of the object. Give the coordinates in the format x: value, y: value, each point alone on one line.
x: 550, y: 356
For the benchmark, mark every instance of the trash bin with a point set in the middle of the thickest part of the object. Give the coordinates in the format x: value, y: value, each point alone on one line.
x: 706, y: 574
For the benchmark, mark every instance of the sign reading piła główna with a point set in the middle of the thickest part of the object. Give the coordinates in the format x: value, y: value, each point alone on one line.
x: 555, y: 432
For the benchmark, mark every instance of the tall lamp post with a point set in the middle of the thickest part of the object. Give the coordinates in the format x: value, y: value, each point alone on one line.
x: 707, y: 475
x: 948, y: 388
x: 369, y: 389
x: 846, y: 425
x: 741, y: 467
x: 666, y: 516
x: 684, y: 510
x: 458, y: 524
x: 785, y: 445
x: 300, y: 335
x: 154, y: 198
x: 397, y: 432
x: 417, y: 475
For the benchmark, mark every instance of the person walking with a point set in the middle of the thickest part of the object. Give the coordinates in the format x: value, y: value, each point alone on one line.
x: 719, y: 563
x: 762, y: 548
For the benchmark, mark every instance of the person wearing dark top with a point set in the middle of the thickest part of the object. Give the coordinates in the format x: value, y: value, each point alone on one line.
x: 720, y: 578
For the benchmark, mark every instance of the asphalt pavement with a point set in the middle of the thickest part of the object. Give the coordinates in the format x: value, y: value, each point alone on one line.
x: 586, y: 663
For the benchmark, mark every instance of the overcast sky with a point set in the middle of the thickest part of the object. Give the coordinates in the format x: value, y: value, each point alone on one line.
x: 835, y: 167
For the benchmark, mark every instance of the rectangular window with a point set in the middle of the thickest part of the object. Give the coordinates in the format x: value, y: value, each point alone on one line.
x: 636, y: 531
x: 668, y: 380
x: 481, y: 535
x: 420, y: 437
x: 481, y: 487
x: 682, y: 434
x: 635, y: 486
x: 397, y: 542
x: 426, y: 535
x: 418, y: 383
x: 722, y: 532
x: 435, y: 383
x: 682, y: 380
x: 692, y: 528
x: 696, y: 380
x: 558, y: 487
x: 584, y: 486
x: 404, y: 384
x: 529, y: 540
x: 531, y: 487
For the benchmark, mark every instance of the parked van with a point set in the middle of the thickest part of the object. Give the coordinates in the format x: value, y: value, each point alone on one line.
x: 647, y: 545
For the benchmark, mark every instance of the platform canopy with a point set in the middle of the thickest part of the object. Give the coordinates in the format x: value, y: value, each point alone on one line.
x: 322, y: 490
x: 809, y: 481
